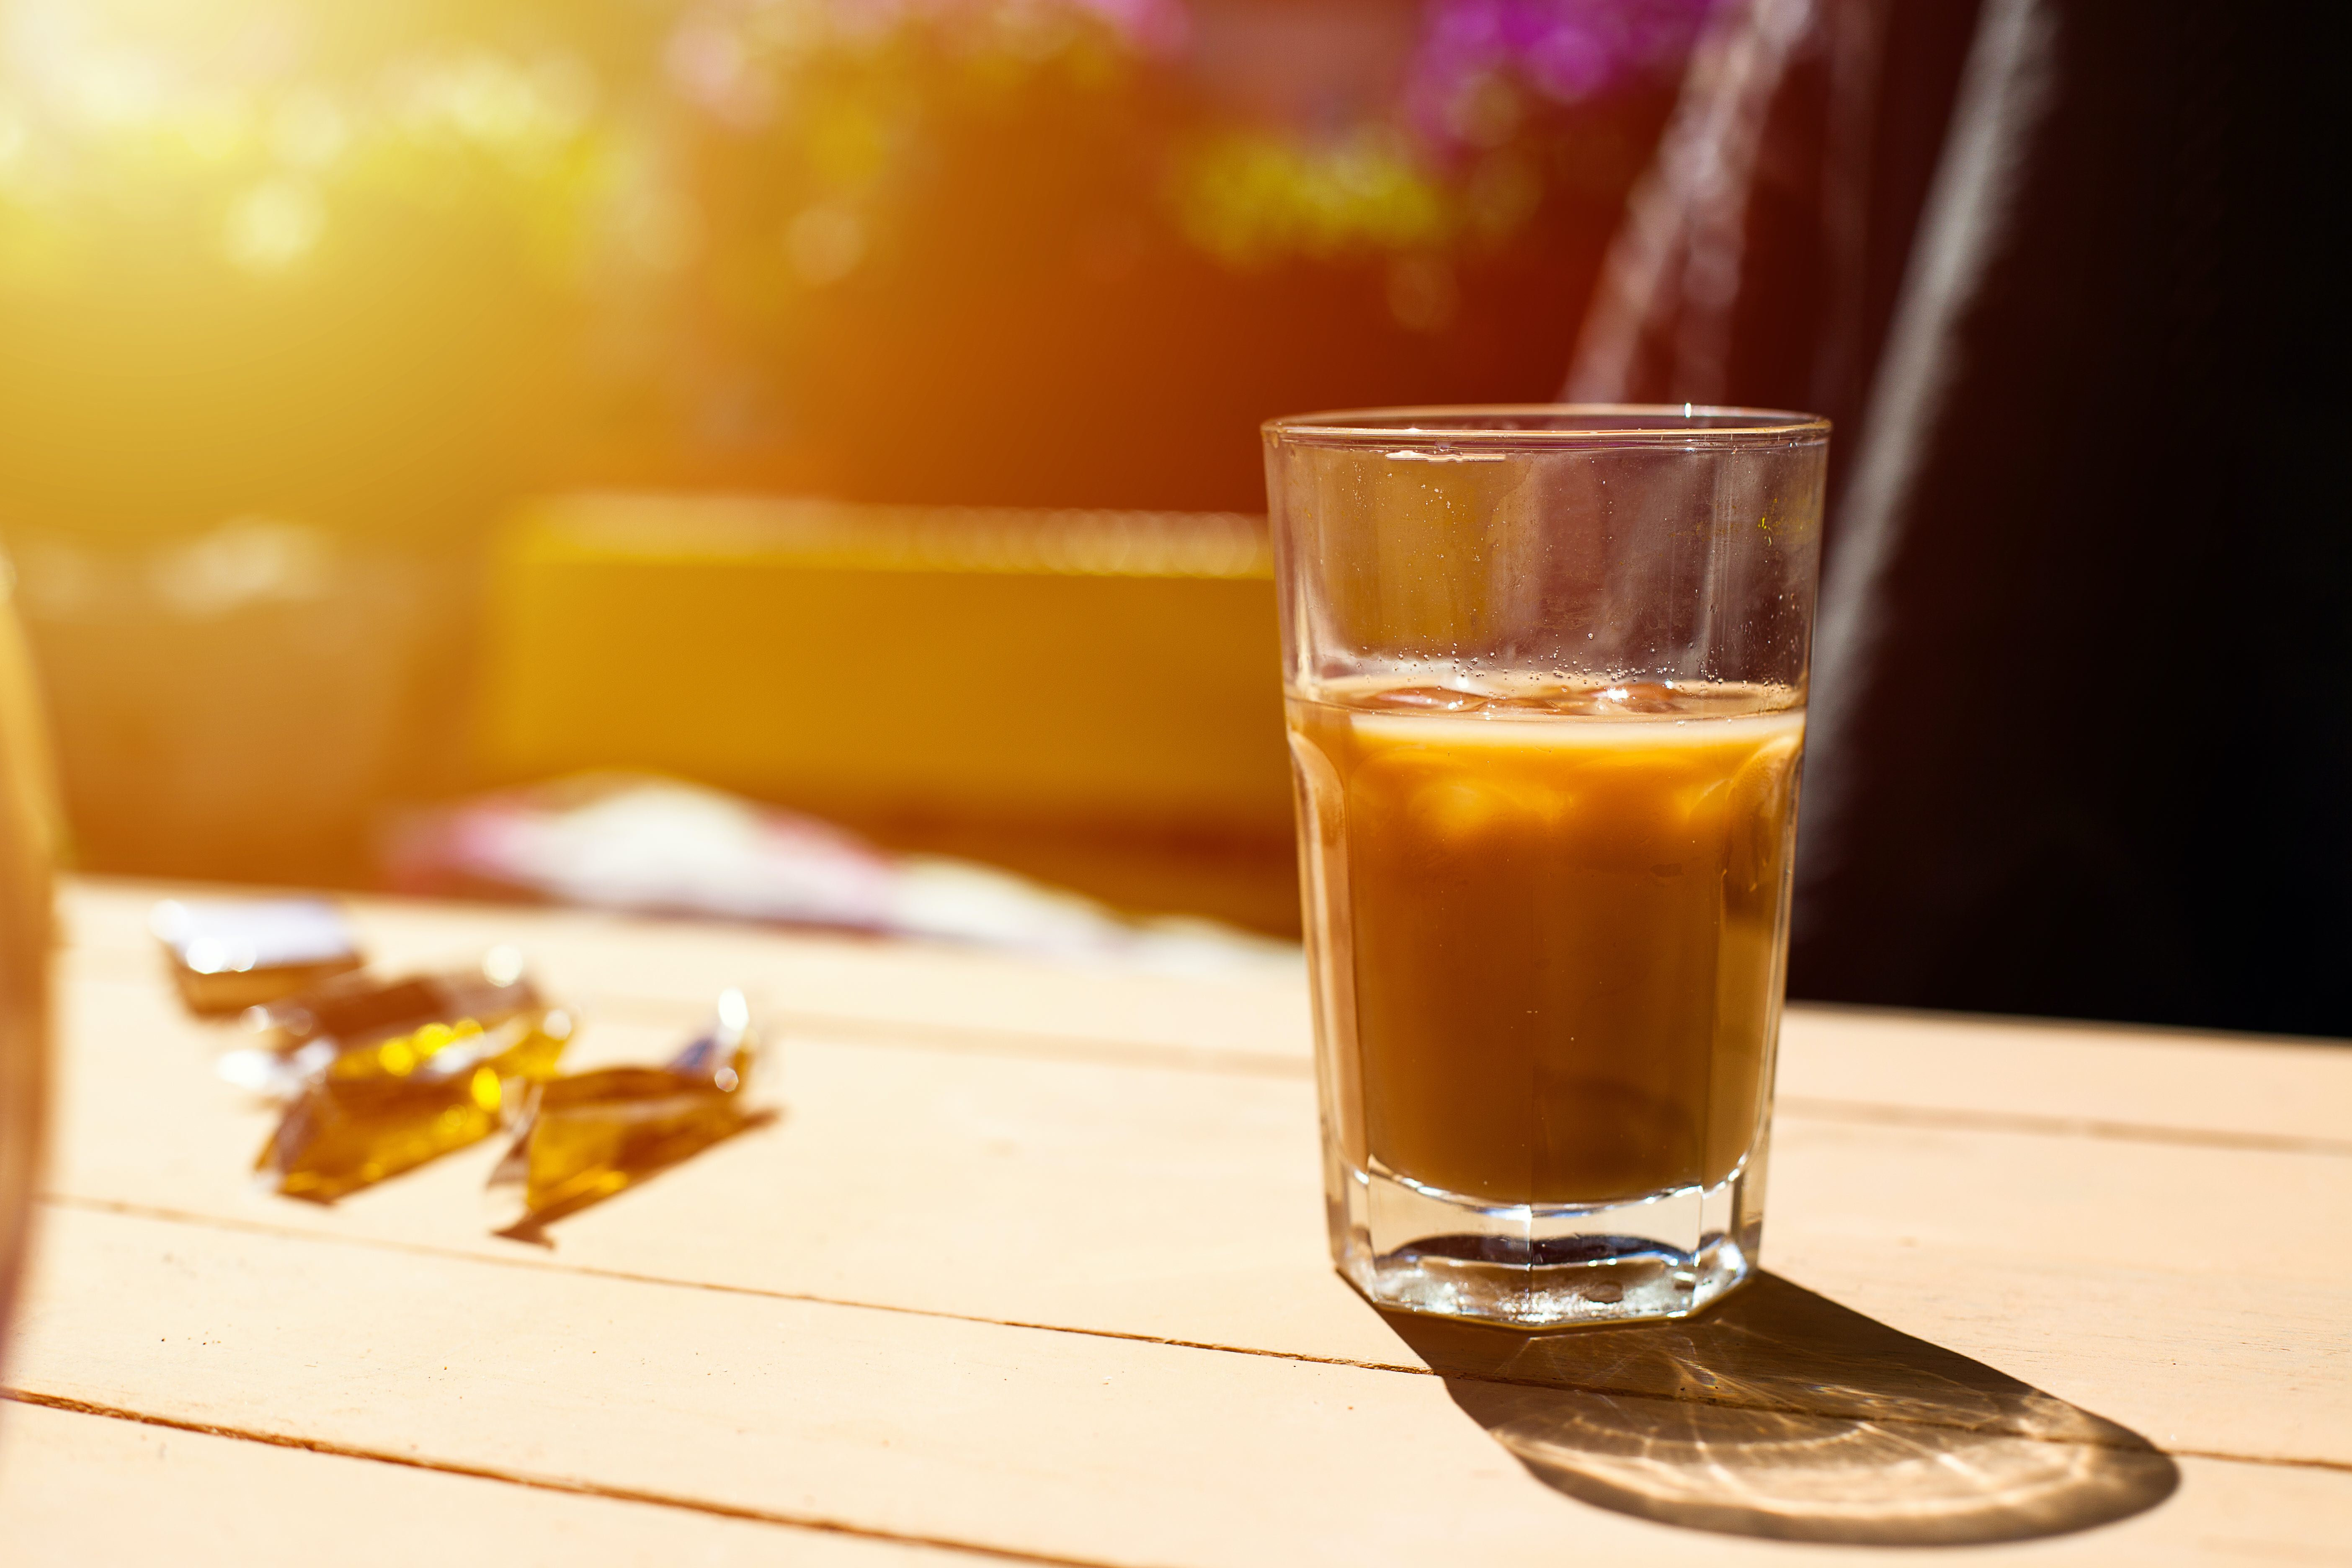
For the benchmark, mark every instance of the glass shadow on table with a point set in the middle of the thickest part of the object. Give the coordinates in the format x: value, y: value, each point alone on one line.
x: 1781, y: 1413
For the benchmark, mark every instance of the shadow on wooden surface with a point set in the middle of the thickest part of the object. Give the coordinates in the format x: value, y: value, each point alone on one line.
x: 1781, y: 1413
x: 647, y: 1161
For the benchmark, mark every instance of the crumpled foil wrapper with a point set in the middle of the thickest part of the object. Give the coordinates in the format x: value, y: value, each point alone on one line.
x: 581, y: 1138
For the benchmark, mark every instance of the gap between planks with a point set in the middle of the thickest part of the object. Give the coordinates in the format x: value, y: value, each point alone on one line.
x: 540, y: 1483
x: 1035, y: 1046
x: 1880, y: 1114
x: 524, y: 1481
x: 457, y: 1254
x: 591, y: 1271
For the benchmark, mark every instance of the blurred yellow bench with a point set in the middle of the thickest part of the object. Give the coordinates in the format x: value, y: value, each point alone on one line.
x: 1092, y: 696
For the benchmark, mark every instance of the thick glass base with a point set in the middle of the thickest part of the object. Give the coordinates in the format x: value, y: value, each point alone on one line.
x: 1542, y: 1265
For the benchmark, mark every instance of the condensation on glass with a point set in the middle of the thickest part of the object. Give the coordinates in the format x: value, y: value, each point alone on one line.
x: 1545, y: 675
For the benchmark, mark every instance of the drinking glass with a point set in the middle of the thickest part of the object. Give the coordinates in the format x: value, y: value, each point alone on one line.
x: 1545, y: 671
x: 26, y: 823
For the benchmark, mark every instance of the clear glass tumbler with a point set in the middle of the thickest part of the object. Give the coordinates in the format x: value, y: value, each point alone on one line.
x: 1546, y: 677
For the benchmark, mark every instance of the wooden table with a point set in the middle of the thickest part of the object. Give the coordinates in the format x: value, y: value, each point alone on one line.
x: 1032, y: 1268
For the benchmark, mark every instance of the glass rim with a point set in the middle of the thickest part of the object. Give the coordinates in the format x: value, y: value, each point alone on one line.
x: 1575, y: 424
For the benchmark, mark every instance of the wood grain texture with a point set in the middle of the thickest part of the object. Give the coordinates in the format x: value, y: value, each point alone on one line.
x: 997, y: 1182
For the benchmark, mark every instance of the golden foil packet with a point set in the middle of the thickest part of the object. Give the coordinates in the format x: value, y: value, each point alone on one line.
x: 583, y: 1137
x: 362, y: 1025
x: 381, y: 1076
x: 228, y: 954
x: 374, y: 1113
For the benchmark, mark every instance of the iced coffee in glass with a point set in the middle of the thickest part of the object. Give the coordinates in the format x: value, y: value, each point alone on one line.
x: 1545, y: 678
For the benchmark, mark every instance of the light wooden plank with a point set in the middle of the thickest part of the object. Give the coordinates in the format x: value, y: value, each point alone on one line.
x: 2100, y: 1078
x: 79, y: 1489
x: 1177, y: 1205
x: 2232, y: 1366
x: 886, y: 1131
x: 1099, y: 1450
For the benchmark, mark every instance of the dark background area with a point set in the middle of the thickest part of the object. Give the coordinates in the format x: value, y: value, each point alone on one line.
x: 2099, y: 761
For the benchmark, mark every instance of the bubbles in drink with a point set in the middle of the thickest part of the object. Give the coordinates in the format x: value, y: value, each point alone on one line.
x: 1515, y: 697
x: 1429, y: 699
